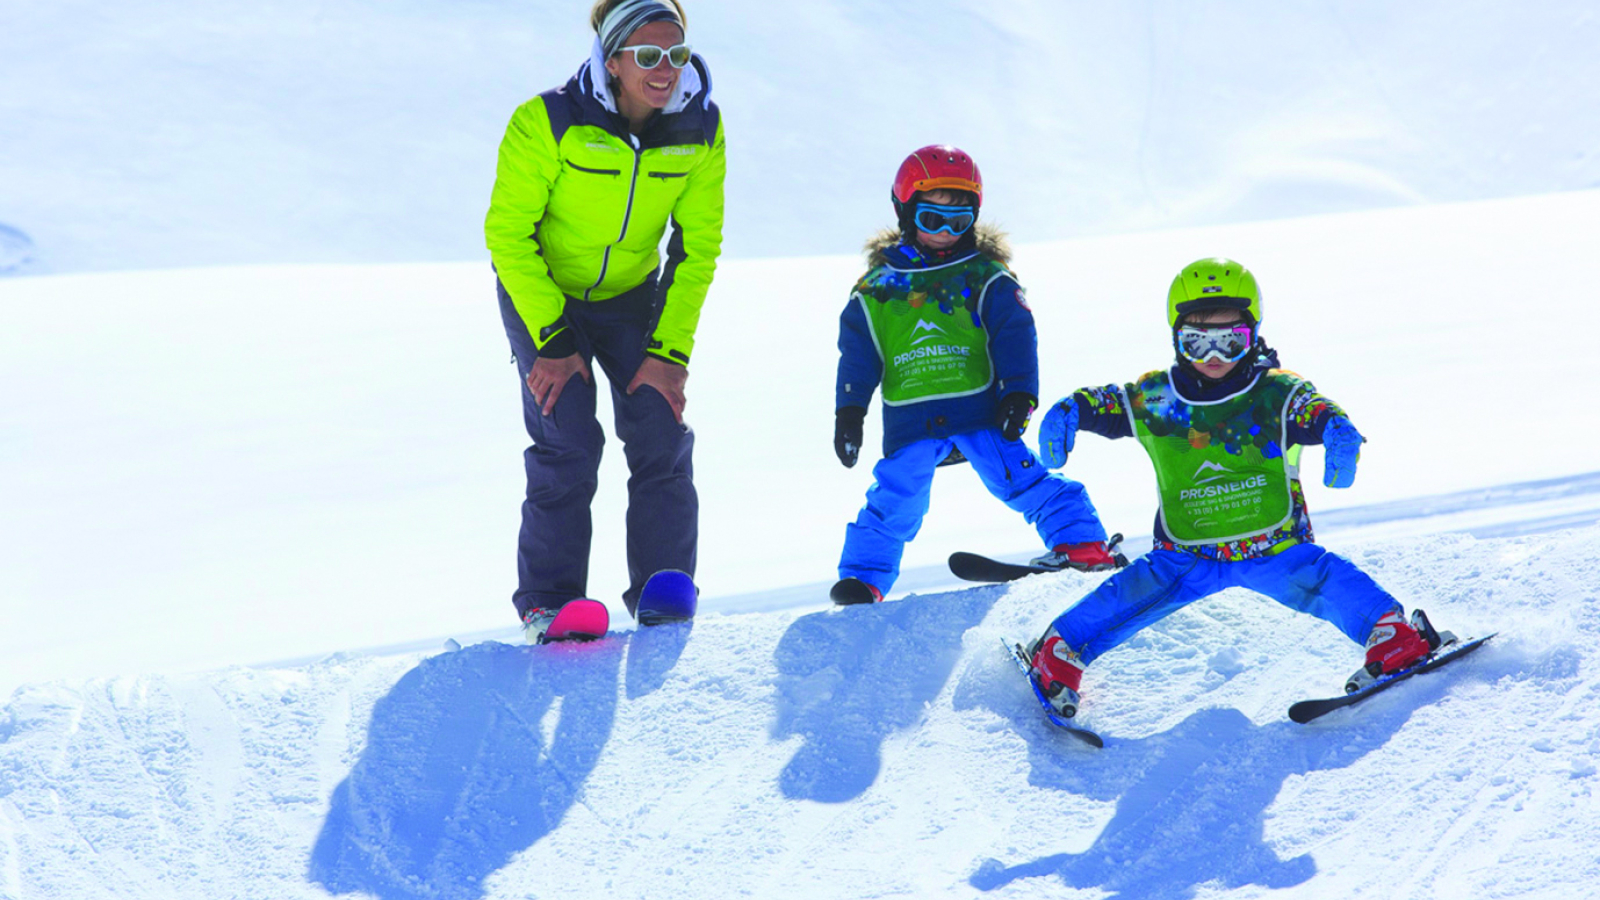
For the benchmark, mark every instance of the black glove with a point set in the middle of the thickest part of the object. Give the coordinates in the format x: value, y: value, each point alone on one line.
x: 847, y: 433
x: 1014, y: 412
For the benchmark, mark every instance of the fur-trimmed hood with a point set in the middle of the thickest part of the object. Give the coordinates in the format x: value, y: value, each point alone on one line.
x: 991, y: 241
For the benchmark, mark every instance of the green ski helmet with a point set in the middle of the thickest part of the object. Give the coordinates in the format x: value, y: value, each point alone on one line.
x: 1215, y: 283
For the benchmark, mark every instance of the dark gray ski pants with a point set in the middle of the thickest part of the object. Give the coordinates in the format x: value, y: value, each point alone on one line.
x: 564, y: 461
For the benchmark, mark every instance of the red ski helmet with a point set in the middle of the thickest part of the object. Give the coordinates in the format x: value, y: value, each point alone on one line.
x: 937, y: 166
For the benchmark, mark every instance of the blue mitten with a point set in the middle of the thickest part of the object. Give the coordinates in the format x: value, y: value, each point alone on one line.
x: 1341, y: 450
x: 1057, y: 433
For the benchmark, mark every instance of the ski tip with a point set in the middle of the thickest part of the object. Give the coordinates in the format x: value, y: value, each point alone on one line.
x: 1299, y: 714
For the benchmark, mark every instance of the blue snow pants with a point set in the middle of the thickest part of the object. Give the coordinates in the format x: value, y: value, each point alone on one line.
x: 564, y: 461
x: 1306, y: 578
x: 873, y: 544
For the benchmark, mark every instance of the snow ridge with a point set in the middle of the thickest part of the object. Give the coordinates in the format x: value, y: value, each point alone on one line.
x: 886, y: 751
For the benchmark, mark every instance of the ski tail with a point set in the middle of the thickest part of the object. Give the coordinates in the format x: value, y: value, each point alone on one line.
x: 578, y: 620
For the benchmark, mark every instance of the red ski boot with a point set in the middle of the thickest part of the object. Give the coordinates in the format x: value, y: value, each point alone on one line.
x: 1058, y: 671
x: 1091, y: 556
x: 1393, y: 645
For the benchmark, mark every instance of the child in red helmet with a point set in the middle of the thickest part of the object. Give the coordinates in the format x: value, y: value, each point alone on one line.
x: 1223, y: 428
x: 940, y: 324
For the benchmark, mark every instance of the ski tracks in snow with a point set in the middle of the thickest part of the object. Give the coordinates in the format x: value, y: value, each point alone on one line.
x: 198, y: 786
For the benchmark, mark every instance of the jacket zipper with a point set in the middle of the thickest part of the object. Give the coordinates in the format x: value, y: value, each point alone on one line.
x: 627, y: 214
x: 595, y: 171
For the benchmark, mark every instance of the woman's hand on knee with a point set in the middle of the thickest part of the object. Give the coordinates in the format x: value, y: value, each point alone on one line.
x: 668, y: 380
x: 549, y: 377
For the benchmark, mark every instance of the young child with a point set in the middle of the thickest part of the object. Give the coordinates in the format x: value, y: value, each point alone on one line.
x: 940, y: 323
x: 1224, y: 428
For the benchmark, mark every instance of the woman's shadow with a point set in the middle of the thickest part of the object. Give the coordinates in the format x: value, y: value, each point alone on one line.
x: 471, y: 758
x: 1191, y: 801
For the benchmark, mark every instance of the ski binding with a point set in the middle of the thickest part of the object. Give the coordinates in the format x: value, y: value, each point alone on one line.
x: 1020, y: 657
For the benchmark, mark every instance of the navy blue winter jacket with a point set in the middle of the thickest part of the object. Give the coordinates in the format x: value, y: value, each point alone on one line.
x: 1013, y: 349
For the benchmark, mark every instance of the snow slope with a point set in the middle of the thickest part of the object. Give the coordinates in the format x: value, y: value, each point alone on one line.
x: 342, y: 473
x: 294, y: 461
x: 864, y: 752
x: 305, y: 459
x: 161, y: 133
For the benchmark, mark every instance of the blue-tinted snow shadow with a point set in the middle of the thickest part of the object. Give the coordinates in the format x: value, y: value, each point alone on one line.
x: 1191, y: 801
x: 653, y: 650
x: 850, y: 677
x: 458, y: 775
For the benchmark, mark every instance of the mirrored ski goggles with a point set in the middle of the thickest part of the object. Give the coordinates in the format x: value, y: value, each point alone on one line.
x: 648, y: 56
x: 932, y: 218
x: 1228, y: 343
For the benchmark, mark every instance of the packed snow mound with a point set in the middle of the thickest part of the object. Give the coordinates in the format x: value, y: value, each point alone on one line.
x: 885, y: 751
x: 155, y: 134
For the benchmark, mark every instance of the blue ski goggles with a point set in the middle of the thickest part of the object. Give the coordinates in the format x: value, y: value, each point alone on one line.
x: 932, y: 218
x: 1228, y: 343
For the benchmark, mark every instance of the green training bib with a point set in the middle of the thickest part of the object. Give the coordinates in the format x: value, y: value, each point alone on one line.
x: 1223, y: 468
x: 928, y: 327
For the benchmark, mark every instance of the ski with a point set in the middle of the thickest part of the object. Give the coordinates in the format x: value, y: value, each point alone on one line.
x: 972, y: 567
x: 577, y: 620
x: 853, y: 592
x: 1020, y: 657
x: 668, y: 596
x: 1306, y: 710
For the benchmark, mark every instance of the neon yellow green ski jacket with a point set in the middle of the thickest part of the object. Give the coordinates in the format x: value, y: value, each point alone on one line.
x: 580, y: 207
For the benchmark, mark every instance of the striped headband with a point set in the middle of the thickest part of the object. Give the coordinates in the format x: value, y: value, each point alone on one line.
x: 626, y: 17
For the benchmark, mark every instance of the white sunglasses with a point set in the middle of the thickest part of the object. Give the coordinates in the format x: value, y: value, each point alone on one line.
x: 648, y: 56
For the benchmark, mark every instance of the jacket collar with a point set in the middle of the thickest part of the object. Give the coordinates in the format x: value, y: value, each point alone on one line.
x: 888, y: 247
x: 691, y: 117
x: 1193, y: 386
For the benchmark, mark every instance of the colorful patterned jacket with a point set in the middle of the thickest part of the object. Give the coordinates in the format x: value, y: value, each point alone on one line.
x: 1106, y: 411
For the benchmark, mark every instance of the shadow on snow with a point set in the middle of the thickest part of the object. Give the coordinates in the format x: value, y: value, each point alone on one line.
x: 1191, y: 801
x: 471, y: 758
x: 848, y: 678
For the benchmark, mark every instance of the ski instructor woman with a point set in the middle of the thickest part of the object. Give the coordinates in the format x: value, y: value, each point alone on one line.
x: 590, y: 176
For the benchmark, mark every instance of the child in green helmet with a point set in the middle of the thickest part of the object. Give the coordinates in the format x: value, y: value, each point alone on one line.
x: 1224, y: 427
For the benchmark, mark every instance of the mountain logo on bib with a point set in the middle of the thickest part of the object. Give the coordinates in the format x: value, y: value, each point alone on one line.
x: 927, y: 331
x: 1209, y: 466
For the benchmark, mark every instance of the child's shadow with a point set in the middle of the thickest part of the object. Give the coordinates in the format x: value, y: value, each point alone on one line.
x: 458, y: 774
x: 1192, y: 800
x: 848, y: 678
